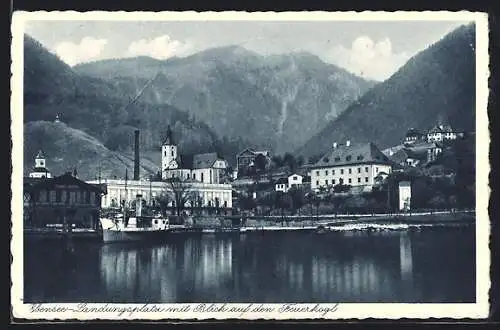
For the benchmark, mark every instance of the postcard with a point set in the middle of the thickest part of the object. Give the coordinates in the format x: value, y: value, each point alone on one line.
x: 249, y: 165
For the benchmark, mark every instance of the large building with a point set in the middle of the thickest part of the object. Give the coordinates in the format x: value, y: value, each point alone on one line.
x: 200, y: 175
x: 356, y: 165
x: 61, y: 202
x: 441, y: 133
x: 204, y: 168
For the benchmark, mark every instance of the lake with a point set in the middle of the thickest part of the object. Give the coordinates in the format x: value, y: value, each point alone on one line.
x: 429, y: 265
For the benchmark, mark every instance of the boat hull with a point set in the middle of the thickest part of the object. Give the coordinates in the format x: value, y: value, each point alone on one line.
x: 112, y: 236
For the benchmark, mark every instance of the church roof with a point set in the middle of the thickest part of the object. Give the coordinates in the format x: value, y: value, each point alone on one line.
x: 169, y: 140
x: 357, y: 153
x: 40, y: 154
x: 198, y: 161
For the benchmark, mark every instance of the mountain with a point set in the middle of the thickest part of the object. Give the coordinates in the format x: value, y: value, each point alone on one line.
x: 436, y: 85
x: 276, y: 102
x: 68, y: 148
x: 101, y: 110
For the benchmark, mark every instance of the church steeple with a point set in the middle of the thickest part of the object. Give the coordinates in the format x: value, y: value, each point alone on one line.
x: 169, y: 140
x: 40, y: 170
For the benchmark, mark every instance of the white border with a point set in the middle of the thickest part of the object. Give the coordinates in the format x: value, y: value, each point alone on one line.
x: 476, y: 310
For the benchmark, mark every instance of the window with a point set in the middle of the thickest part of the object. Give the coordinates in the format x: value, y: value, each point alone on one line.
x: 359, y: 169
x: 342, y: 171
x: 172, y: 153
x: 42, y: 197
x: 188, y: 175
x: 194, y: 176
x: 350, y: 180
x: 326, y: 182
x: 295, y: 178
x: 366, y: 169
x: 317, y: 182
x: 376, y: 169
x: 165, y: 153
x: 225, y: 203
x: 317, y: 173
x: 202, y: 177
x: 326, y: 172
x: 72, y: 197
x: 366, y: 179
x: 359, y: 180
x: 333, y: 181
x: 350, y: 171
x: 341, y: 181
x: 348, y: 158
x: 360, y: 157
x: 333, y: 172
x: 52, y: 196
x: 337, y: 159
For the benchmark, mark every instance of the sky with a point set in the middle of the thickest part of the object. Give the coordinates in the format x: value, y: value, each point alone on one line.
x: 370, y: 49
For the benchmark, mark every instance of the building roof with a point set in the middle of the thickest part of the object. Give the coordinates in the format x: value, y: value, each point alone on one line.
x: 357, y: 153
x: 282, y: 180
x: 413, y: 132
x: 66, y: 179
x: 198, y: 161
x: 297, y: 174
x: 251, y: 152
x: 169, y: 140
x: 440, y: 129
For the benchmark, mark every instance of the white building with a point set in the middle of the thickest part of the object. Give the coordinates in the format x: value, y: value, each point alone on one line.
x: 404, y: 195
x: 204, y: 168
x: 441, y: 133
x: 349, y: 164
x: 281, y: 185
x: 211, y: 195
x: 40, y: 170
x: 293, y: 180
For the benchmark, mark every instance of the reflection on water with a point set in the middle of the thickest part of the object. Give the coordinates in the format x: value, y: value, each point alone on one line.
x: 429, y: 266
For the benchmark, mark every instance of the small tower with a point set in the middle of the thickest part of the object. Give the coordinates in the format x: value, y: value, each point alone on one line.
x: 168, y: 154
x: 40, y: 171
x: 57, y: 119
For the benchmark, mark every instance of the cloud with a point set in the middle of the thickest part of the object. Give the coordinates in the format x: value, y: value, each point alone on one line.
x: 159, y: 48
x: 369, y: 59
x: 88, y: 49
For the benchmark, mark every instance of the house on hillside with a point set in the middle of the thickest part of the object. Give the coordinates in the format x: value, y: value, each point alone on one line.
x: 282, y: 185
x: 350, y: 164
x: 418, y: 154
x: 440, y: 133
x: 246, y: 159
x: 294, y: 180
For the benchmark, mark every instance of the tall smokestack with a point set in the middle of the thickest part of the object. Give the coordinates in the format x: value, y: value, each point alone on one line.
x: 136, y: 157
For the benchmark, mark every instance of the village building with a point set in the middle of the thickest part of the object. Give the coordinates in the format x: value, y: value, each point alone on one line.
x: 292, y: 181
x: 62, y: 202
x: 355, y: 165
x: 441, y: 133
x: 413, y: 136
x: 417, y: 154
x: 246, y: 159
x: 40, y: 169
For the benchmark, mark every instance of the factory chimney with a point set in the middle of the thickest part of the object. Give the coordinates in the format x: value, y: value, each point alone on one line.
x: 136, y: 156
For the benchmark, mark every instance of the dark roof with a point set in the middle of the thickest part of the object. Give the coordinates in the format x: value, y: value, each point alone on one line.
x: 441, y: 129
x: 358, y: 153
x: 40, y: 154
x: 254, y: 152
x: 40, y: 170
x: 198, y: 161
x: 282, y: 180
x: 413, y: 132
x: 404, y: 154
x: 67, y: 179
x: 169, y: 139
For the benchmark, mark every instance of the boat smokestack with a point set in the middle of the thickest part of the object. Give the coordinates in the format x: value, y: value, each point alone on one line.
x: 138, y: 205
x: 136, y: 156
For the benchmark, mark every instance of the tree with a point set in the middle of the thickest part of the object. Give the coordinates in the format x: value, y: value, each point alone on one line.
x: 290, y: 161
x: 260, y: 162
x: 296, y: 197
x: 277, y: 161
x: 180, y: 193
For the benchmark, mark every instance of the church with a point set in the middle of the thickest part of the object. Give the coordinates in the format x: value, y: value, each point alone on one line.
x: 202, y: 173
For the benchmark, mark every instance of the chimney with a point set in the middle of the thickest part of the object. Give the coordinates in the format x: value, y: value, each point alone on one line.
x: 347, y: 143
x: 138, y: 205
x: 136, y: 157
x: 334, y: 145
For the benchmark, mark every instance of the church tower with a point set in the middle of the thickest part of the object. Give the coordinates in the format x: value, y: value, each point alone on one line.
x: 40, y: 171
x: 168, y: 154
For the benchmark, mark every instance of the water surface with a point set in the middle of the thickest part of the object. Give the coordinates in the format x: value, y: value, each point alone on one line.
x: 432, y: 265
